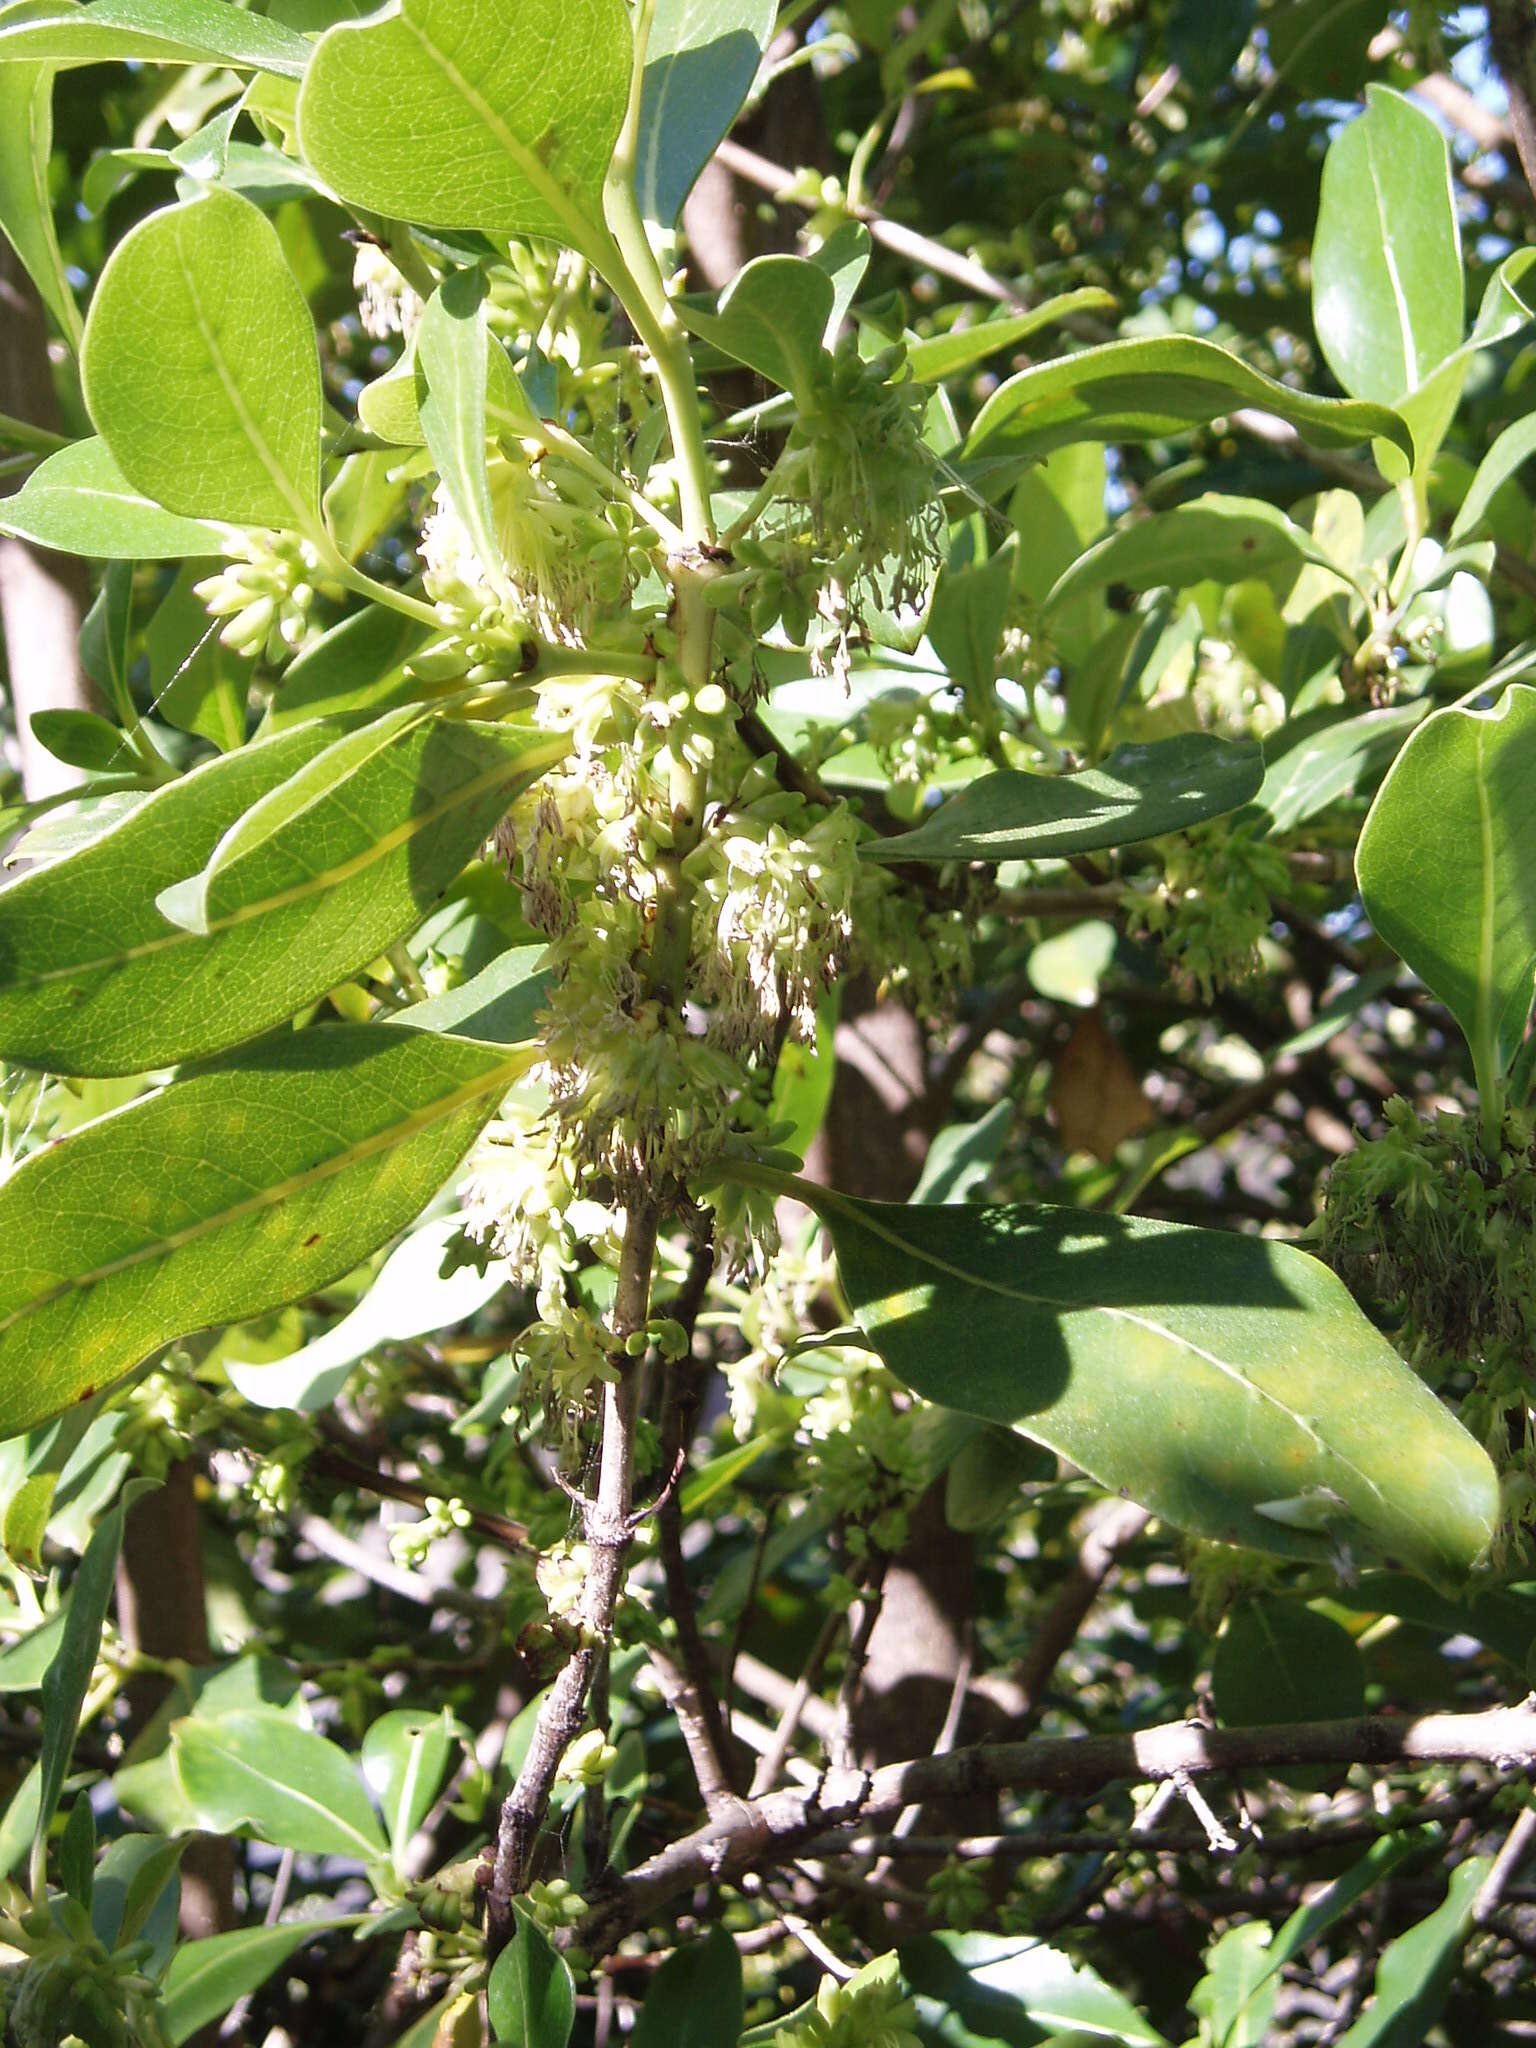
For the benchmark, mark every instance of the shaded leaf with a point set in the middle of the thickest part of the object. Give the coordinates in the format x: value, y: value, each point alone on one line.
x: 1217, y: 1379
x: 1140, y: 792
x: 1415, y: 1971
x: 1279, y: 1660
x: 1145, y: 389
x: 700, y: 61
x: 206, y: 1977
x: 695, y: 1998
x: 26, y: 203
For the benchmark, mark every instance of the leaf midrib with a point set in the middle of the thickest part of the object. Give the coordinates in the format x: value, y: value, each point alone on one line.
x: 327, y: 878
x: 576, y: 223
x: 388, y: 1139
x: 826, y: 1199
x: 244, y: 1767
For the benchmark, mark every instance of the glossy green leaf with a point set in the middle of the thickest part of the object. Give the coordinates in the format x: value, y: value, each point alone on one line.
x: 451, y: 374
x: 1447, y: 869
x: 206, y: 1977
x: 252, y: 1183
x: 499, y: 1005
x: 1230, y: 539
x: 356, y: 670
x: 695, y: 1998
x: 260, y: 1769
x: 773, y: 317
x: 302, y: 865
x: 26, y: 203
x: 1324, y: 763
x: 405, y: 1759
x: 23, y: 1662
x: 68, y: 1678
x: 1139, y: 792
x: 201, y: 368
x: 1414, y: 1975
x: 1509, y: 451
x: 1386, y: 256
x: 1146, y: 389
x: 1228, y: 1383
x: 1279, y: 1660
x: 700, y: 61
x: 1013, y: 1987
x: 940, y: 356
x: 530, y: 1994
x: 155, y: 32
x: 80, y: 503
x: 515, y: 107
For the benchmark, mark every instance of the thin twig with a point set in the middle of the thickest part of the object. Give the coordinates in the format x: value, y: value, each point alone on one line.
x: 1516, y: 1845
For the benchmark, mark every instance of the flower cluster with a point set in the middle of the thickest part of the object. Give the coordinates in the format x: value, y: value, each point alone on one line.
x: 1212, y: 907
x: 861, y: 1455
x: 386, y: 304
x: 266, y: 593
x: 775, y: 889
x: 1439, y: 1239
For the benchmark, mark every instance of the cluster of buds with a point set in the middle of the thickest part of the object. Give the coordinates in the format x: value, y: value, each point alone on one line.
x: 860, y: 1454
x: 410, y: 1543
x: 68, y: 1989
x: 266, y: 593
x: 871, y: 2010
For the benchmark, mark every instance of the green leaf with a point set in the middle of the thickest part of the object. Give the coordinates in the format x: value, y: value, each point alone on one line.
x: 1230, y: 539
x: 1414, y: 1975
x: 357, y: 669
x: 201, y: 369
x: 1513, y: 447
x: 207, y: 1976
x: 23, y: 1663
x: 988, y: 1475
x: 941, y: 356
x: 773, y: 317
x: 1140, y: 792
x: 26, y: 203
x: 700, y: 62
x: 27, y: 1513
x: 962, y: 1155
x: 1447, y: 869
x: 1145, y: 390
x: 451, y: 371
x: 260, y: 1769
x: 155, y: 32
x: 1317, y: 766
x: 405, y: 1759
x: 1386, y: 256
x: 515, y: 108
x: 255, y: 1181
x: 1223, y: 1381
x: 1009, y: 1987
x: 1238, y: 1993
x: 499, y: 1005
x: 136, y: 1892
x: 695, y: 1998
x: 1279, y: 1660
x: 965, y: 625
x: 80, y: 503
x: 77, y: 1851
x: 303, y: 865
x: 531, y: 1995
x: 84, y: 740
x: 68, y: 1678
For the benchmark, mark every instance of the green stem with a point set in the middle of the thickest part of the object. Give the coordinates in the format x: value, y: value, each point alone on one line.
x: 579, y: 456
x: 629, y: 264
